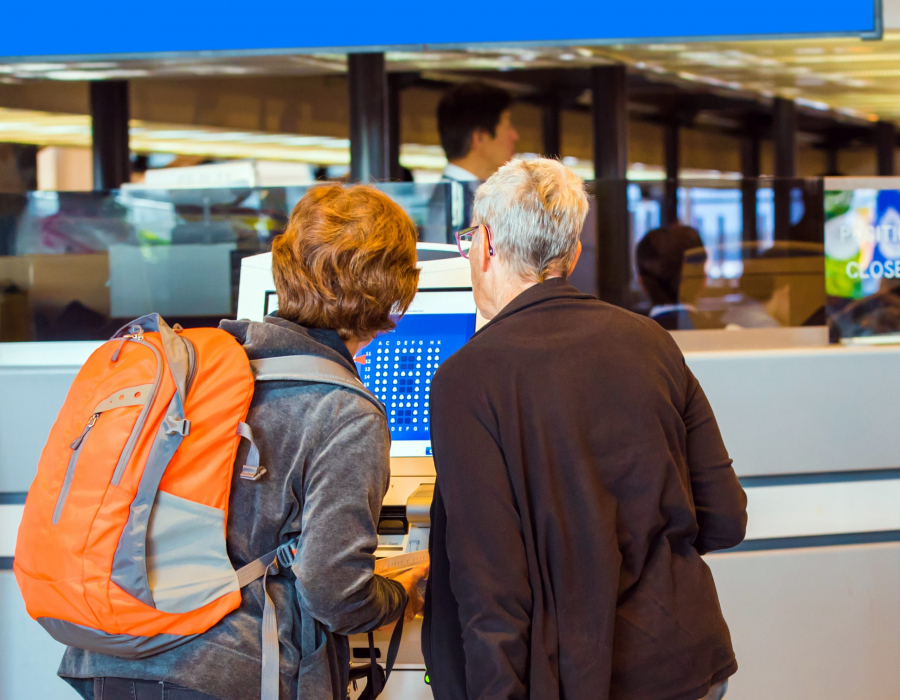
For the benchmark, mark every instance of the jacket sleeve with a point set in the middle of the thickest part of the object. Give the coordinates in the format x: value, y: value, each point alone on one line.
x: 719, y: 500
x: 343, y: 488
x: 488, y: 569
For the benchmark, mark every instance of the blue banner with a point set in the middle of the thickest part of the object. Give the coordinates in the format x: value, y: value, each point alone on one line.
x: 53, y: 28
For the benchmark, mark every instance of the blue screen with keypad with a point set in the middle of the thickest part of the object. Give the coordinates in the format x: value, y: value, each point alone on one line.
x: 398, y: 368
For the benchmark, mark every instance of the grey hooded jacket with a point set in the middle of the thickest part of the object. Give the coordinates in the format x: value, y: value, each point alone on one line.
x: 326, y: 451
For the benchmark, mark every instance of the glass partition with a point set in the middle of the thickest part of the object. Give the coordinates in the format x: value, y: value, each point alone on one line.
x: 76, y: 265
x: 742, y: 253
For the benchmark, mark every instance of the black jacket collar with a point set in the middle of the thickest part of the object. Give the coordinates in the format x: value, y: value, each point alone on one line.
x: 554, y: 288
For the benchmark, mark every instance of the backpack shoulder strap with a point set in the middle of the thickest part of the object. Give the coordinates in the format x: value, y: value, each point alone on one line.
x: 310, y: 368
x: 298, y: 368
x: 291, y: 368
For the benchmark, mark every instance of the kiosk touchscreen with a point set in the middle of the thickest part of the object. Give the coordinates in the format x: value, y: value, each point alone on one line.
x: 398, y: 366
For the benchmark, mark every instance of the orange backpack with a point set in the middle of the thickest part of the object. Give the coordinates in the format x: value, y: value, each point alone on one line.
x: 121, y: 548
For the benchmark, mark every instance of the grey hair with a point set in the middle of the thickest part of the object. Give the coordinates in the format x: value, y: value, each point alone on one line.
x: 536, y: 210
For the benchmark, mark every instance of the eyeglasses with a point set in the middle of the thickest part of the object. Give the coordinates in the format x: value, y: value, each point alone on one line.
x: 464, y: 239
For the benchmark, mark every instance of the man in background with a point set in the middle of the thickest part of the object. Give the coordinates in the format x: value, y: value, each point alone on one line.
x: 476, y: 131
x: 477, y: 135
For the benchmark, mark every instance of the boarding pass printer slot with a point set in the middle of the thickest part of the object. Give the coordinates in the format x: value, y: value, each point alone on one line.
x: 418, y: 514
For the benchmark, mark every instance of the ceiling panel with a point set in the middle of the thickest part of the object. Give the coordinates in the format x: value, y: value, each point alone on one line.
x: 852, y: 77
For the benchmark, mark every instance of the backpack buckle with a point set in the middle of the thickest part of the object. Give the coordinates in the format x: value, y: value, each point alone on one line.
x: 177, y: 426
x: 286, y: 554
x: 251, y: 473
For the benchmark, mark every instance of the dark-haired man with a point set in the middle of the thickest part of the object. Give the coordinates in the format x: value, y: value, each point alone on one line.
x: 476, y: 131
x: 477, y: 136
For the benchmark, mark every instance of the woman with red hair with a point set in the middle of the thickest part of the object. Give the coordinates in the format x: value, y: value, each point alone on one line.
x: 343, y: 267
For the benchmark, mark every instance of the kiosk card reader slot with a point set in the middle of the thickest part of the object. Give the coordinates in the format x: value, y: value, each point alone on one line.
x: 418, y: 514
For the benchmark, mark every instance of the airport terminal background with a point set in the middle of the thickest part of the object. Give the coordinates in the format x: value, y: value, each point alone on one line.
x: 130, y: 185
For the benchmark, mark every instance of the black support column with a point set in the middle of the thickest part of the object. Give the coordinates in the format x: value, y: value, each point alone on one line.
x: 784, y: 137
x: 109, y: 133
x: 394, y: 88
x: 610, y: 120
x: 368, y: 117
x: 551, y: 128
x: 671, y: 142
x: 832, y: 161
x: 885, y: 142
x: 750, y: 169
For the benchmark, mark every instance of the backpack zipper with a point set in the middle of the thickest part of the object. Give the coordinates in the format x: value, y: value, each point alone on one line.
x: 76, y: 446
x: 142, y: 419
x: 192, y: 365
x: 138, y: 337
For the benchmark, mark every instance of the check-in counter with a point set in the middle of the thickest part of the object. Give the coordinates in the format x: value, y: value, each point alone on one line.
x: 34, y: 380
x: 811, y: 597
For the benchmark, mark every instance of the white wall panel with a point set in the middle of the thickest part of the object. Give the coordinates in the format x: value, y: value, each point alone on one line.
x: 813, y: 624
x: 805, y: 410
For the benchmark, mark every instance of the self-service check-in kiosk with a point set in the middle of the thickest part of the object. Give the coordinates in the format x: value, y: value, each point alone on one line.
x: 397, y: 367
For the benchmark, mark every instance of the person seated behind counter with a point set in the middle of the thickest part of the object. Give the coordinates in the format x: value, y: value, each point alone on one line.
x: 580, y: 477
x: 660, y: 261
x: 346, y: 262
x: 477, y: 135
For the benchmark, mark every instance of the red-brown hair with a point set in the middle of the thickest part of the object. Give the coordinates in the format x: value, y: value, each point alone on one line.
x: 346, y: 261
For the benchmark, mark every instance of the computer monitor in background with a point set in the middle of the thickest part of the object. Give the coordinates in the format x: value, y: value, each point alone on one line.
x: 398, y: 366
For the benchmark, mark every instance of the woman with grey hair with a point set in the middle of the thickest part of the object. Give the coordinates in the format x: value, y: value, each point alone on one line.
x: 580, y: 477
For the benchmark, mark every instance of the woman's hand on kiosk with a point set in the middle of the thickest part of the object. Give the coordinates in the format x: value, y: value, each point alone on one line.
x: 410, y: 581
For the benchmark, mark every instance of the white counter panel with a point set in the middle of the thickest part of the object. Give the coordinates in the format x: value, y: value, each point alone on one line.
x: 29, y: 656
x: 805, y: 510
x: 807, y: 410
x: 10, y: 517
x: 813, y: 624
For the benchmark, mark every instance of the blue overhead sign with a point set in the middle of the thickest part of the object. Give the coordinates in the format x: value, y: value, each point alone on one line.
x: 100, y: 28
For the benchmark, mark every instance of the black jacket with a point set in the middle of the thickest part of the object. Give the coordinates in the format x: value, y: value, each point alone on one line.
x: 580, y: 476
